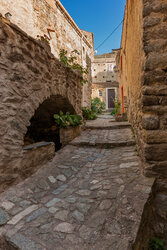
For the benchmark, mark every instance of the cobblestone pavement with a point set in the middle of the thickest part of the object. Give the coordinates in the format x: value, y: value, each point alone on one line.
x: 87, y: 198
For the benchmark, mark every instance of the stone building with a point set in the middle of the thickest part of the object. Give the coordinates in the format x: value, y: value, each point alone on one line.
x: 39, y: 17
x: 143, y: 66
x: 104, y: 78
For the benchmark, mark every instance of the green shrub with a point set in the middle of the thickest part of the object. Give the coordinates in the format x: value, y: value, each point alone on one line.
x: 156, y: 244
x: 88, y: 114
x: 71, y: 61
x: 97, y: 105
x: 116, y: 109
x: 64, y: 120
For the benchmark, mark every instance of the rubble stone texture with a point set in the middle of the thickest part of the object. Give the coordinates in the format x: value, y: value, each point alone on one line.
x: 35, y: 17
x: 144, y: 79
x: 98, y: 205
x: 29, y: 76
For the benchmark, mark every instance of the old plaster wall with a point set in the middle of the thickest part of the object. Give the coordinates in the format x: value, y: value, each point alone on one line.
x: 35, y: 17
x: 133, y: 59
x: 29, y: 76
x: 143, y: 72
x: 143, y: 65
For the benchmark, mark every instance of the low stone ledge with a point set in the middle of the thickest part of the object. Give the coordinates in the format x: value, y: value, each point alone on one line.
x: 36, y: 155
x: 37, y: 145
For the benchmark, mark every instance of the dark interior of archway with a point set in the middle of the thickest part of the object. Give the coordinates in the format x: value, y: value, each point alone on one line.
x: 42, y: 127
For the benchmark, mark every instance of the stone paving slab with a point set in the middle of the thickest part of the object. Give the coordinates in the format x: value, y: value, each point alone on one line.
x: 96, y: 205
x: 105, y: 138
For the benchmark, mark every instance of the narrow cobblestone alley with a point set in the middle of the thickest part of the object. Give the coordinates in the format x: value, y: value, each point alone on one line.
x: 91, y: 196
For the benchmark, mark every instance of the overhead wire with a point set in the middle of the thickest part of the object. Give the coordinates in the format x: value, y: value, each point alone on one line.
x: 110, y: 35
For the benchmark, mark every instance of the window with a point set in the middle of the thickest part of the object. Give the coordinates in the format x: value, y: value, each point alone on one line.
x: 100, y: 93
x: 109, y: 67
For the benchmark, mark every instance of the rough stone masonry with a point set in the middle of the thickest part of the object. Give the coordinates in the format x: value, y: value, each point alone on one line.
x: 29, y: 75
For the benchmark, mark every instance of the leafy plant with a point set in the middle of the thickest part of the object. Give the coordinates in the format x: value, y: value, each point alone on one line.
x: 156, y: 244
x: 71, y: 62
x: 64, y: 120
x: 88, y: 114
x: 116, y: 109
x: 97, y: 105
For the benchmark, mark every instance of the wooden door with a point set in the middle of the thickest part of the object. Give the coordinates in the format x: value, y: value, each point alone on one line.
x: 111, y: 98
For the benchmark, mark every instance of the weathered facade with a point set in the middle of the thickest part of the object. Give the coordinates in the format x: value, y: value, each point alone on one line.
x: 34, y: 85
x: 39, y: 17
x: 143, y: 66
x: 104, y: 79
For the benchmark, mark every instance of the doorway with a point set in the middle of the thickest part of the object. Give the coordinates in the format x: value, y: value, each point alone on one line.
x: 110, y: 98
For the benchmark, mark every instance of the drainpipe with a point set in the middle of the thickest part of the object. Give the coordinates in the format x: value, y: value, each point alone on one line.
x: 122, y: 99
x: 82, y: 66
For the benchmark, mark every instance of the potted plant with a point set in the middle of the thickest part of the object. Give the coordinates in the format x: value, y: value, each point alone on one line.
x: 69, y: 126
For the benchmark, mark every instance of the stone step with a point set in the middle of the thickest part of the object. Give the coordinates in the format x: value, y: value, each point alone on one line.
x: 106, y: 124
x: 112, y: 126
x: 105, y: 138
x: 105, y: 145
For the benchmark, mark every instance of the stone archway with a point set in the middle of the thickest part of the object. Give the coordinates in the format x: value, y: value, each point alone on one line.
x: 42, y: 126
x: 29, y: 76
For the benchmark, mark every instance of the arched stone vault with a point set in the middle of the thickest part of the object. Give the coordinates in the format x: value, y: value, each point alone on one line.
x: 29, y: 75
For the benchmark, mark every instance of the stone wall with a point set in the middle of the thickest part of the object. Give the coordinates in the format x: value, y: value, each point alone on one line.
x: 29, y: 76
x: 38, y: 17
x: 143, y: 65
x: 154, y: 90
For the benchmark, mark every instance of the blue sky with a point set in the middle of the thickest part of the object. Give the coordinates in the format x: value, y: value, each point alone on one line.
x: 99, y: 17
